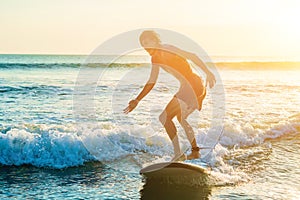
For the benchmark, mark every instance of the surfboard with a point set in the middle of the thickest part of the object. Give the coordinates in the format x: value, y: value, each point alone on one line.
x: 173, y: 169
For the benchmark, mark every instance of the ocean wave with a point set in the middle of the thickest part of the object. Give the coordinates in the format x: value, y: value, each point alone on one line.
x: 59, y: 146
x: 45, y: 149
x: 38, y: 65
x: 36, y: 89
x: 246, y: 135
x: 66, y: 146
x: 259, y: 65
x: 69, y: 65
x: 219, y: 65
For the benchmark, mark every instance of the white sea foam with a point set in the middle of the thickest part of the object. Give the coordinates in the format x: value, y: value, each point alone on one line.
x: 43, y: 148
x: 131, y: 147
x: 65, y: 146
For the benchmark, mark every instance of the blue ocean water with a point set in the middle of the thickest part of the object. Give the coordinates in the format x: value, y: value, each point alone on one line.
x: 63, y: 133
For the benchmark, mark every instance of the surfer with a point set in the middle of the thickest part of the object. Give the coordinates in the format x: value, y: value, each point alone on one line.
x: 189, y: 96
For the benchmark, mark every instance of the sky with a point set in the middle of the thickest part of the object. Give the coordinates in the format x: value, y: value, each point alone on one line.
x: 222, y: 27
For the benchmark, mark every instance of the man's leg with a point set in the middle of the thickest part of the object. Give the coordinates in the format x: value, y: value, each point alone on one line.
x: 172, y: 109
x: 189, y: 132
x: 181, y: 117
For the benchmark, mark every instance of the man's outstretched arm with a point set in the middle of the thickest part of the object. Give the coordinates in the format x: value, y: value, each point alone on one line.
x: 210, y: 77
x: 147, y: 88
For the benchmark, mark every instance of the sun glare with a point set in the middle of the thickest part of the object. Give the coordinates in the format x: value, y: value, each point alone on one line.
x: 288, y: 26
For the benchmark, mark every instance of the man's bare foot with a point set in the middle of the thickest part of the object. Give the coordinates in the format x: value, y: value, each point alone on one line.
x: 195, y: 154
x: 181, y: 157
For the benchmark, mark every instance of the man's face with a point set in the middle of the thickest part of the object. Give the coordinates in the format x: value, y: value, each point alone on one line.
x: 149, y: 43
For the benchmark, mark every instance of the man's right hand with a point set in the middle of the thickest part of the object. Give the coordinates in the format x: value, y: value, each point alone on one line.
x: 210, y: 80
x: 131, y: 106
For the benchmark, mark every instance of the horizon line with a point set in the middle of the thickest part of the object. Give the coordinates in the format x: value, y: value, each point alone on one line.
x: 76, y: 54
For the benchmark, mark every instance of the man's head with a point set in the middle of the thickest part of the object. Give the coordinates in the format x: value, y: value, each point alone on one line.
x: 149, y: 39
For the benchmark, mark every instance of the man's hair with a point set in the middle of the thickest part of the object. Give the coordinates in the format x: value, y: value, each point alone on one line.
x: 150, y: 34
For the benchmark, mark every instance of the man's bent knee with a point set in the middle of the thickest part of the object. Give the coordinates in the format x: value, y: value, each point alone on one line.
x: 181, y: 119
x: 163, y: 117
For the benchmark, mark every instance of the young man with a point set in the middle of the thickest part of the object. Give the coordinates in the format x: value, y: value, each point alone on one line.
x: 189, y: 96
